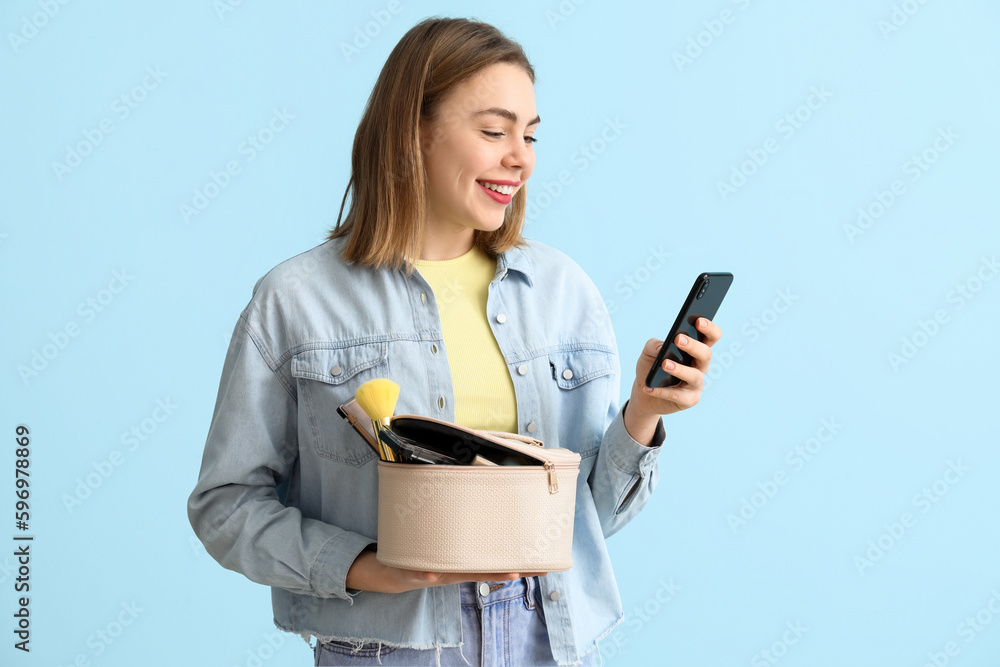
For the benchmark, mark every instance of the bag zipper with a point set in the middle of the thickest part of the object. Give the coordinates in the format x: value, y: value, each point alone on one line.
x: 527, y: 439
x: 549, y: 467
x: 553, y: 483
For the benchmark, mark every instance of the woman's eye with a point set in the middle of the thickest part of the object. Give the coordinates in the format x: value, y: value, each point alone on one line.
x: 498, y: 135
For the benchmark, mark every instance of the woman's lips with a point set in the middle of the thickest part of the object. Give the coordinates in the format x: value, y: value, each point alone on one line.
x: 494, y: 195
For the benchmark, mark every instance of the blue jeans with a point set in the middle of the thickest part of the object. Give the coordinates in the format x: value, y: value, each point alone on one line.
x: 504, y: 627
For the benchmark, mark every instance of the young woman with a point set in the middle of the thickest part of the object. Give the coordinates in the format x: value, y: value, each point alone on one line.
x: 429, y: 282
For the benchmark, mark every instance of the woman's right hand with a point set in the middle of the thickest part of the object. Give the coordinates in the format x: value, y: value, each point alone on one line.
x: 367, y: 574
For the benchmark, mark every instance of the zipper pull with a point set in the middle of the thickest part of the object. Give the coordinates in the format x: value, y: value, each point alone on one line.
x: 553, y: 485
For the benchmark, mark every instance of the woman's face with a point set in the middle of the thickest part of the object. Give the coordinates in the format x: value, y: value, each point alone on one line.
x: 481, y: 137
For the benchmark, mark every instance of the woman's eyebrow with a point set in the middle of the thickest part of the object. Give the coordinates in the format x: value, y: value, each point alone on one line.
x: 505, y: 113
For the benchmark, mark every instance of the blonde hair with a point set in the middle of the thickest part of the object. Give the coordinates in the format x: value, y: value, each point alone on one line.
x: 388, y: 187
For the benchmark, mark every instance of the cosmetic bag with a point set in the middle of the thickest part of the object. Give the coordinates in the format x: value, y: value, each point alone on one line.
x: 492, y: 518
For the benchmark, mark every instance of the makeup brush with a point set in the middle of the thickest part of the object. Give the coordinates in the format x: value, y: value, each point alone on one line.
x: 378, y: 399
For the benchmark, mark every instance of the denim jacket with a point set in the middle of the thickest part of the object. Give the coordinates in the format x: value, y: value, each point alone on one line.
x: 287, y: 493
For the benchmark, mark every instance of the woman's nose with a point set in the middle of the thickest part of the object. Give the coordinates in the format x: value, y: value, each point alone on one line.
x: 519, y: 155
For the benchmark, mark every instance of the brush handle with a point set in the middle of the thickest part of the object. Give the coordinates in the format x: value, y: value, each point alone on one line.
x: 386, y: 454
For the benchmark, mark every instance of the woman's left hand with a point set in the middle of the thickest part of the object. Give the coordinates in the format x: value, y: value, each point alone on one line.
x: 681, y: 396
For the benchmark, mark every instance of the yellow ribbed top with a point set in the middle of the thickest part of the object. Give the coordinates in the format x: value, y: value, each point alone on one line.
x: 484, y: 392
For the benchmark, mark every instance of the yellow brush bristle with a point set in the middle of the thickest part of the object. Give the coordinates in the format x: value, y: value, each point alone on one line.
x: 378, y: 398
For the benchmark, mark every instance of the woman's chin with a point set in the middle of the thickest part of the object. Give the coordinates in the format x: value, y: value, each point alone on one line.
x: 487, y: 225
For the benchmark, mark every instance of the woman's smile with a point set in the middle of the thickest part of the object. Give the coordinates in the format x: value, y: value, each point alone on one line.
x: 501, y: 192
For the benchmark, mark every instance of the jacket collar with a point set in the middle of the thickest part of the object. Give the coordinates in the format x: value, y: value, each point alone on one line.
x: 515, y: 259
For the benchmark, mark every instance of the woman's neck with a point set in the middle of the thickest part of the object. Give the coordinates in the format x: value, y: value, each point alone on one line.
x: 440, y: 245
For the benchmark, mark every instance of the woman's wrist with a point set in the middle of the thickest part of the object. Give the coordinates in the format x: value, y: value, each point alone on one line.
x: 362, y: 575
x: 640, y: 427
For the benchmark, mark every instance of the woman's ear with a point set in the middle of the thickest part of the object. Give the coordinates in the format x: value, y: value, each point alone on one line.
x: 432, y: 133
x: 425, y: 135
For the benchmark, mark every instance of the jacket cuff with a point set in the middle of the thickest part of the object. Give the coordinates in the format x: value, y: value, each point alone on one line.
x: 329, y: 571
x: 629, y: 455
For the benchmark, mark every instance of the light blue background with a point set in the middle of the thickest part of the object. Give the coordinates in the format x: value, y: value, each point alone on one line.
x: 650, y: 188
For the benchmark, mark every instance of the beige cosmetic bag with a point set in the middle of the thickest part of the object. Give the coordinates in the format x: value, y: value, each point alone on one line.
x: 477, y: 518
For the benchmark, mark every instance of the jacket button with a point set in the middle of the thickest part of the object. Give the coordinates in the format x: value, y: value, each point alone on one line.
x: 522, y: 369
x: 441, y: 402
x: 434, y: 349
x: 501, y: 318
x: 423, y: 297
x: 336, y: 370
x: 567, y: 374
x: 532, y: 427
x: 554, y: 596
x: 484, y: 589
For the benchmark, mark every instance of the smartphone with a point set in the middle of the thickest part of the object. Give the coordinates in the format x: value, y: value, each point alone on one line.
x: 704, y: 300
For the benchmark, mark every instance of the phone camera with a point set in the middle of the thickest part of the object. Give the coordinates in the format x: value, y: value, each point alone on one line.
x: 704, y: 287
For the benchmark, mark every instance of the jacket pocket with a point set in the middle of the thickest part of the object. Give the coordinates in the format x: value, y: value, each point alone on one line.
x: 573, y: 368
x: 628, y: 494
x: 582, y: 377
x: 328, y: 377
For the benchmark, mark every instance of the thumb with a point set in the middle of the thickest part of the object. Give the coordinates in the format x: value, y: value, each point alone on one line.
x: 652, y: 348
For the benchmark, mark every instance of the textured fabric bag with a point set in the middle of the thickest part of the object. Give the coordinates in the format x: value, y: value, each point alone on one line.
x: 477, y: 518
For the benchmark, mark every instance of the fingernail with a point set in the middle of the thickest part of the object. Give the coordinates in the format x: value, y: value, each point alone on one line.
x: 669, y: 364
x: 658, y: 347
x: 683, y: 340
x: 648, y: 390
